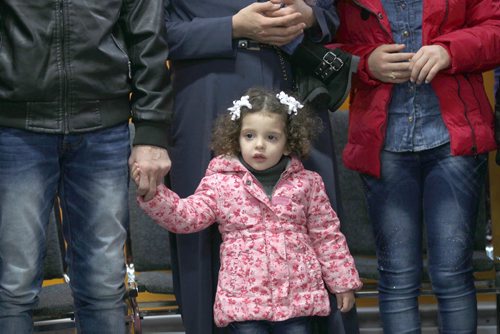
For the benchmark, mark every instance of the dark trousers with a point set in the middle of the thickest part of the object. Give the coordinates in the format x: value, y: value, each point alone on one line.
x: 300, y: 325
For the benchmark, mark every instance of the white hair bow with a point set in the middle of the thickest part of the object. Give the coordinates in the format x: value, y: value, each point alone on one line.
x: 235, y: 110
x: 290, y: 101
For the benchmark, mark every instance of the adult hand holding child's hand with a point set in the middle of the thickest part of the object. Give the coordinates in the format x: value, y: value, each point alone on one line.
x: 149, y: 165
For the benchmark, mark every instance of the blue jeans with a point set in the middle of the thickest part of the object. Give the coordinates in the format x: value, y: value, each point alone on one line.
x: 430, y: 187
x: 89, y: 173
x: 300, y: 325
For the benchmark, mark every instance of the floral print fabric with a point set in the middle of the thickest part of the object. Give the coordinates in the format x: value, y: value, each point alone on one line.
x: 277, y: 254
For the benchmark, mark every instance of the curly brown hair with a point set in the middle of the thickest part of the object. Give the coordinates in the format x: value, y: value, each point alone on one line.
x: 301, y: 129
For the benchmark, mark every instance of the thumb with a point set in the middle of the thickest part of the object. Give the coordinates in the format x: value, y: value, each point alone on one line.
x: 393, y: 48
x: 265, y: 6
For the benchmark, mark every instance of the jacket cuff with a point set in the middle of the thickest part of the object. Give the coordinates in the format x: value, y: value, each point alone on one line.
x: 364, y: 73
x: 151, y: 133
x: 452, y: 69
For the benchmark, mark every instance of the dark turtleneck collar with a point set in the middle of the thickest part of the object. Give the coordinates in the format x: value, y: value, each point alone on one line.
x: 268, y: 177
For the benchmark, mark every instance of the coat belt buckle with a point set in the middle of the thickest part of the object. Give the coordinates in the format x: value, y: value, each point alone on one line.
x: 248, y: 44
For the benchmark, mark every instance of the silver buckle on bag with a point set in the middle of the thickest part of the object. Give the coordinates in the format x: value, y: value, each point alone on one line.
x: 329, y: 64
x: 333, y: 61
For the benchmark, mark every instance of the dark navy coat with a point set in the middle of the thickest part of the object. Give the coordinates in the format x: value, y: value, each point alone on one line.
x: 209, y: 71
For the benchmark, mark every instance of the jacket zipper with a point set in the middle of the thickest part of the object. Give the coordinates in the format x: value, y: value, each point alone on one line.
x: 129, y: 64
x: 64, y: 88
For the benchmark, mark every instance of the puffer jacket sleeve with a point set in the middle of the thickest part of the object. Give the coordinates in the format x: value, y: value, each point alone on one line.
x: 363, y: 52
x: 476, y: 46
x: 337, y: 263
x: 145, y: 37
x: 187, y: 215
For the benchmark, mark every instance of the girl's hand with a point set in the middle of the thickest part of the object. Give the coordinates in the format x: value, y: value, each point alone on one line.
x: 427, y: 62
x: 257, y: 22
x: 345, y: 301
x: 387, y: 63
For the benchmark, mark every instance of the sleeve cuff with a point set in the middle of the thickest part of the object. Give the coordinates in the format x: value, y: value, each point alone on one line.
x: 151, y: 133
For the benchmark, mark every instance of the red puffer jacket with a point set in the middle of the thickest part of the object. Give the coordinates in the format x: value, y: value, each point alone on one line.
x: 469, y: 30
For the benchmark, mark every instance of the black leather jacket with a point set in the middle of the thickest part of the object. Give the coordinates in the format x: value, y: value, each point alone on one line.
x: 69, y: 66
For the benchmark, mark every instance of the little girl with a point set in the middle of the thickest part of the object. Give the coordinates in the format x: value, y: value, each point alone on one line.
x: 281, y: 237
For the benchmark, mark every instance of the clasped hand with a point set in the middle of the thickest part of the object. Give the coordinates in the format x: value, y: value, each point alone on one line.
x: 389, y: 63
x: 149, y: 165
x: 276, y: 22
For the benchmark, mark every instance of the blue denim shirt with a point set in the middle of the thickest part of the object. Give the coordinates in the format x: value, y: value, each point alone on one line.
x: 414, y: 118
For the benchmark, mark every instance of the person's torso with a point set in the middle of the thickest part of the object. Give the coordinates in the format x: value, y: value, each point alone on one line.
x: 463, y: 102
x: 60, y: 58
x: 267, y: 257
x: 53, y: 50
x: 414, y: 120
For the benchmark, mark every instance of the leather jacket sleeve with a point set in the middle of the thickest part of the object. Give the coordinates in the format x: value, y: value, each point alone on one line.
x: 142, y: 23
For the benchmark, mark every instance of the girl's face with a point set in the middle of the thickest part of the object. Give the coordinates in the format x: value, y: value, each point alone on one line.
x: 263, y: 139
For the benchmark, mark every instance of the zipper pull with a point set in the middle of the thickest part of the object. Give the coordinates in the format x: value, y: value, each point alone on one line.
x: 129, y: 69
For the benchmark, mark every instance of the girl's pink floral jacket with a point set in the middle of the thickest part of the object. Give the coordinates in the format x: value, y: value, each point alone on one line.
x: 276, y: 253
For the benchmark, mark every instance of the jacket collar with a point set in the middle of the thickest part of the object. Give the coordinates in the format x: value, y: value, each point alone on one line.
x: 432, y: 17
x: 231, y: 164
x: 370, y: 5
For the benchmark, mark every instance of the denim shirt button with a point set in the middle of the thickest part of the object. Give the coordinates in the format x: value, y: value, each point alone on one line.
x: 410, y: 119
x: 406, y: 34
